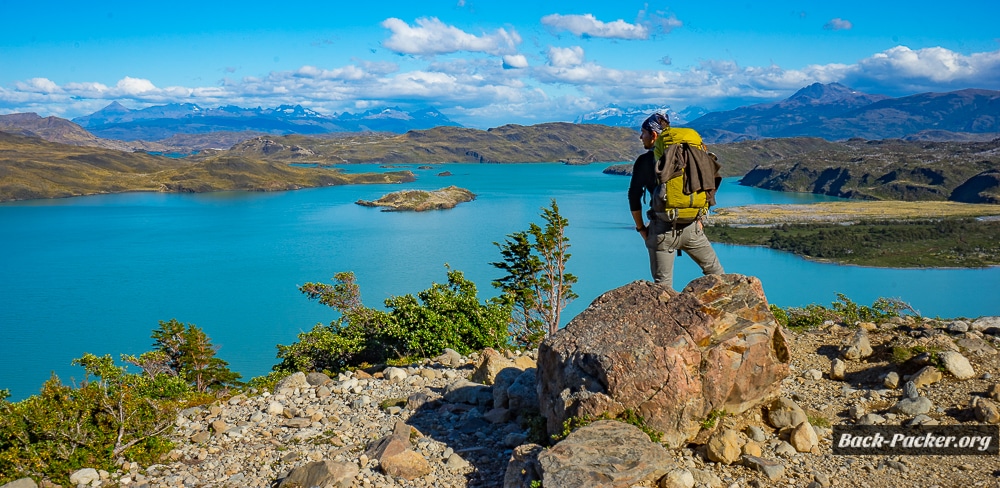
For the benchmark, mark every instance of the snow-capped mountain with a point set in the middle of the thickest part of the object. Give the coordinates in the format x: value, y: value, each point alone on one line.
x: 162, y: 121
x: 618, y: 116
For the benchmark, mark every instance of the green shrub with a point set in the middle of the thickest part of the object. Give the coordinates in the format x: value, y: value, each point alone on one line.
x: 113, y: 413
x: 880, y: 311
x: 535, y: 425
x: 779, y: 315
x: 901, y: 354
x: 442, y: 316
x: 266, y: 382
x: 843, y: 311
x: 63, y: 429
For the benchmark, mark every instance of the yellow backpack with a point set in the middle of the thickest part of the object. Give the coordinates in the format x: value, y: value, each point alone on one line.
x: 669, y: 202
x: 676, y: 135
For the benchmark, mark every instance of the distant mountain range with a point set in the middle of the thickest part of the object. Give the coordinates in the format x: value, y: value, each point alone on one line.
x: 163, y: 121
x: 836, y: 112
x: 831, y: 111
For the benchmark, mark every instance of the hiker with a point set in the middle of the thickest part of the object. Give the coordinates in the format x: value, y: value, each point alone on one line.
x: 664, y: 237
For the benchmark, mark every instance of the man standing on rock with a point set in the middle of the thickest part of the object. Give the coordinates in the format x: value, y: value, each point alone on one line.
x: 664, y: 237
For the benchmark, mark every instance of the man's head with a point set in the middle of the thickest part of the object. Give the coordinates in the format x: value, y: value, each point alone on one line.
x: 651, y: 127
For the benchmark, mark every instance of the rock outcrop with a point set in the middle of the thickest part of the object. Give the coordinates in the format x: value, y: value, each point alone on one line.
x: 672, y: 358
x: 605, y: 453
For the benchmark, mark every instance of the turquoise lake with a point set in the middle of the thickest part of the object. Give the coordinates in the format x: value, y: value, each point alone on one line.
x: 96, y: 274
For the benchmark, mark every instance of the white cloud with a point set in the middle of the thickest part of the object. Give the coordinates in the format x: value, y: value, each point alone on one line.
x: 935, y: 64
x: 134, y: 86
x: 478, y: 86
x: 929, y: 69
x: 87, y: 89
x: 37, y: 85
x: 563, y: 57
x: 588, y: 26
x: 838, y: 24
x: 515, y: 61
x: 431, y: 36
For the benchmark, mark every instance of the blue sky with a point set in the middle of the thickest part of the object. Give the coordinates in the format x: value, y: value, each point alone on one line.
x: 483, y: 63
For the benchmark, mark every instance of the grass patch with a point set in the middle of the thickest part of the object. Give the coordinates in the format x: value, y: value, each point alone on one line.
x: 818, y: 421
x: 392, y: 402
x: 713, y: 418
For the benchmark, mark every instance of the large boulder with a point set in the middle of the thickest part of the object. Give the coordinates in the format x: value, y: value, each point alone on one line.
x: 604, y: 453
x: 523, y: 468
x: 395, y: 455
x: 489, y: 365
x: 321, y: 473
x: 671, y: 357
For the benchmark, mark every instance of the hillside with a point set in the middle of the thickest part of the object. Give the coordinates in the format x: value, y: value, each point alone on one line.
x: 888, y: 170
x: 55, y: 129
x: 737, y: 158
x: 570, y: 143
x: 967, y: 172
x: 31, y: 168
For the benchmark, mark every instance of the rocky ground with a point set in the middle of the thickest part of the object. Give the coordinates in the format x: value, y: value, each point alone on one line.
x: 459, y: 439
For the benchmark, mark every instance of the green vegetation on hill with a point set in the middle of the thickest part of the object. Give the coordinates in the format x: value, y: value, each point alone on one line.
x: 901, y: 244
x: 869, y: 233
x: 32, y: 168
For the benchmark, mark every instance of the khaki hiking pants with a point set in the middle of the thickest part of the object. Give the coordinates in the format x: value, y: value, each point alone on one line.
x: 663, y: 242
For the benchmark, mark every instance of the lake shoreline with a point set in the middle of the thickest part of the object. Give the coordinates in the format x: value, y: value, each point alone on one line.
x: 96, y: 274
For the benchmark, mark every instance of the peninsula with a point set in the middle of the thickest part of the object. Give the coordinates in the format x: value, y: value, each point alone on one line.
x: 869, y: 233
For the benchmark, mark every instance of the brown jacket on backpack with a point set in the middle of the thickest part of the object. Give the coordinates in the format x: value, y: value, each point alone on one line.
x: 700, y: 167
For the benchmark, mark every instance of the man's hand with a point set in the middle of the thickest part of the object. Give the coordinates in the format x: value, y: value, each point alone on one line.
x: 643, y: 230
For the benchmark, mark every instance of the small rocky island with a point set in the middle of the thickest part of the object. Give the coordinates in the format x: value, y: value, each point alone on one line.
x: 421, y: 200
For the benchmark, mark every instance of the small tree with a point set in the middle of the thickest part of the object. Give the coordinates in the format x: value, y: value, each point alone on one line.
x: 186, y: 351
x: 537, y: 282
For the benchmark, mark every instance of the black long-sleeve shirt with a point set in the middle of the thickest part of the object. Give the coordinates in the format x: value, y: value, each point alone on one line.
x: 643, y: 180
